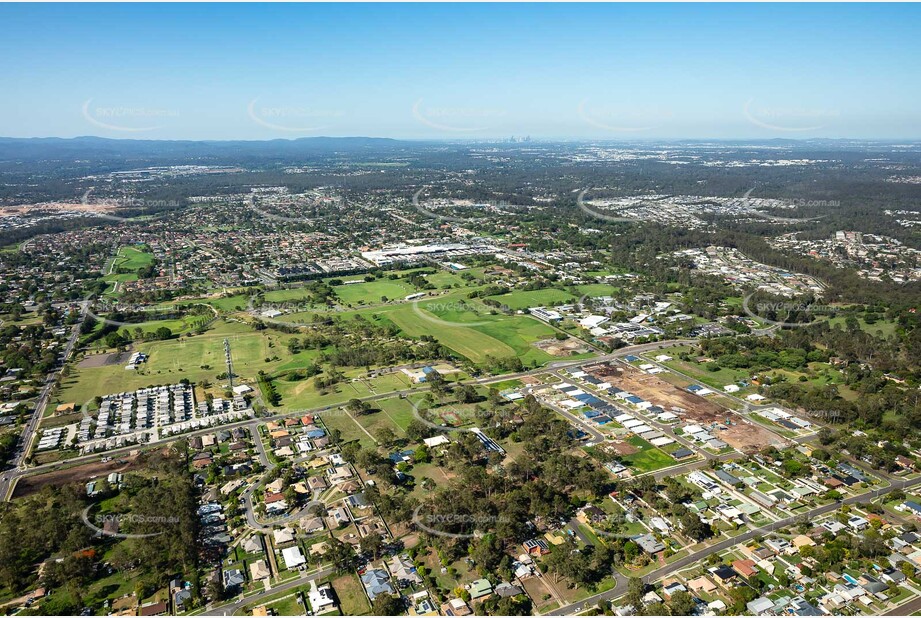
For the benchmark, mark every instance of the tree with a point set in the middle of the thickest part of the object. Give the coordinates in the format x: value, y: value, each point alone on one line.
x: 486, y: 552
x: 467, y: 394
x: 417, y: 431
x: 695, y: 528
x: 387, y: 605
x: 635, y: 590
x: 372, y: 544
x: 215, y: 590
x: 422, y: 455
x: 681, y: 604
x: 385, y: 436
x: 358, y: 407
x: 341, y: 555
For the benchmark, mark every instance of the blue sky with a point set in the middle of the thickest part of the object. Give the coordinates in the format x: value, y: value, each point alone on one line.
x: 618, y: 71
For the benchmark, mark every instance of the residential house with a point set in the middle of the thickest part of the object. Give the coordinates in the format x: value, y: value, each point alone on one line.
x: 701, y: 585
x: 723, y: 575
x: 259, y: 570
x: 311, y: 525
x: 404, y: 571
x: 233, y: 578
x: 293, y: 557
x: 745, y: 568
x: 536, y: 547
x: 376, y: 582
x: 283, y: 536
x: 154, y: 609
x: 456, y: 607
x: 479, y: 588
x: 321, y: 598
x: 649, y: 544
x: 505, y: 589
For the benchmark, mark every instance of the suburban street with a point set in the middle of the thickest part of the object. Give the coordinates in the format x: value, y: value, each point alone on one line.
x: 9, y: 477
x: 247, y: 495
x: 231, y: 608
x: 621, y: 588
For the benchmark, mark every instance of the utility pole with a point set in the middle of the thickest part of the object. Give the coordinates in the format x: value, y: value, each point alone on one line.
x: 229, y: 363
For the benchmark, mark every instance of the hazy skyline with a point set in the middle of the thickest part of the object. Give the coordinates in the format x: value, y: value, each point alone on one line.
x: 449, y: 71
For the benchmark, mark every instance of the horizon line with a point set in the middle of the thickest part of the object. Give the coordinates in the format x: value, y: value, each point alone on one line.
x: 505, y: 138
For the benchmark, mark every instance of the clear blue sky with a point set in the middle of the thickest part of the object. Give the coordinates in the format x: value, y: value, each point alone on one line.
x: 461, y: 71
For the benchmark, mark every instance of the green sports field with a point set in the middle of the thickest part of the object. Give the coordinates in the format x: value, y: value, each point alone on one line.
x: 374, y: 291
x: 534, y: 298
x: 132, y: 258
x: 461, y: 324
x: 596, y: 290
x: 302, y: 394
x: 472, y: 333
x: 185, y: 357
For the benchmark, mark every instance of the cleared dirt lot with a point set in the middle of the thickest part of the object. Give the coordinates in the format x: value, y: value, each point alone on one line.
x: 104, y: 360
x: 742, y: 434
x: 562, y: 348
x: 76, y: 474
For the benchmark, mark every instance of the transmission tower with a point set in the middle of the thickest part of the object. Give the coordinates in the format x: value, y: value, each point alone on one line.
x: 229, y: 362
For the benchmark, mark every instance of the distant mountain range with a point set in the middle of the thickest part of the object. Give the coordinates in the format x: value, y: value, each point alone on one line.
x: 30, y: 149
x: 213, y: 151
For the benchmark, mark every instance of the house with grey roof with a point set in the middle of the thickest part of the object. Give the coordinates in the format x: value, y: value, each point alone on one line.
x: 649, y: 544
x: 376, y: 582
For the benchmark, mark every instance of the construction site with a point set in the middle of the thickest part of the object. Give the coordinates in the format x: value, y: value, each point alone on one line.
x: 733, y: 428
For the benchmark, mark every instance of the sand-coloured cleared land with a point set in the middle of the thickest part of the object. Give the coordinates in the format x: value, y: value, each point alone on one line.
x: 741, y: 434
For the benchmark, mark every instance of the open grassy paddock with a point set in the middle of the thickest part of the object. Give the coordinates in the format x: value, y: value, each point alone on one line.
x: 196, y: 357
x: 534, y: 298
x: 470, y: 330
x: 132, y: 258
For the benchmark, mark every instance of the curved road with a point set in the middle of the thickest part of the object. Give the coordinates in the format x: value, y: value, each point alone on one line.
x: 247, y: 494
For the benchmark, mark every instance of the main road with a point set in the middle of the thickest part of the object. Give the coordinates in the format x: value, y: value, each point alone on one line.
x: 9, y: 477
x: 620, y: 588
